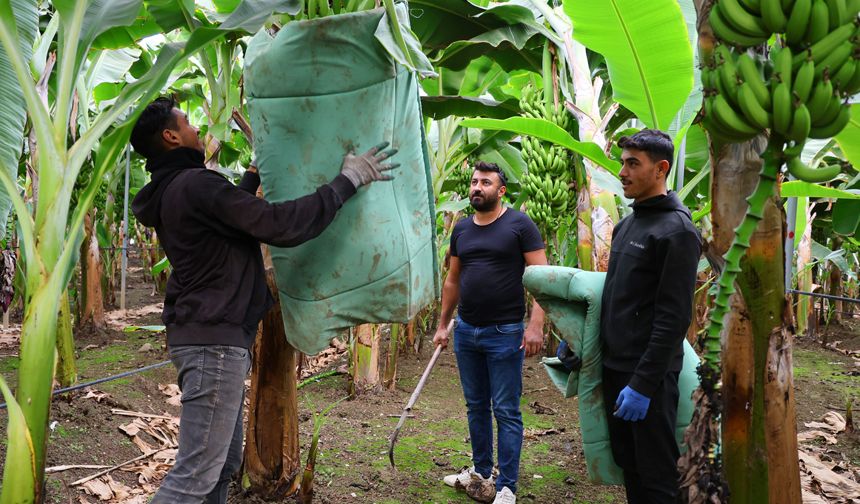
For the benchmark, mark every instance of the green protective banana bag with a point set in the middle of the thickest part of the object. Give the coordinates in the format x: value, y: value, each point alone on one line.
x: 571, y: 299
x: 314, y: 90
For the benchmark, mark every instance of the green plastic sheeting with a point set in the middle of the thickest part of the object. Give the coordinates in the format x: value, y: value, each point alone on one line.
x: 315, y: 90
x: 571, y: 299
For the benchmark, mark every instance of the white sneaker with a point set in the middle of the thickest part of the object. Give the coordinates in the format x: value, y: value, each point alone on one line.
x: 505, y: 496
x: 461, y: 480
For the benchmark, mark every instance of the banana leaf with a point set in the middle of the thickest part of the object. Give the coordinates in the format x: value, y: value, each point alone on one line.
x: 647, y: 50
x: 550, y: 132
x: 455, y: 32
x: 801, y: 189
x: 13, y: 110
x: 849, y: 138
x: 23, y: 475
x: 439, y: 107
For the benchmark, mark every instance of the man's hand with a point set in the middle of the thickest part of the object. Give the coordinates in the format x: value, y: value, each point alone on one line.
x: 631, y: 405
x: 532, y: 339
x: 441, y: 337
x: 569, y: 358
x: 368, y: 167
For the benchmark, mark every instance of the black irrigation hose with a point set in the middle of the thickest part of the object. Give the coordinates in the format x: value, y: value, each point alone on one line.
x: 102, y: 380
x: 307, y: 381
x: 825, y: 296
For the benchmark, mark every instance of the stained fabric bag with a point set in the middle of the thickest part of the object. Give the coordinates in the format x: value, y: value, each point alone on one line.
x: 571, y: 299
x: 315, y: 90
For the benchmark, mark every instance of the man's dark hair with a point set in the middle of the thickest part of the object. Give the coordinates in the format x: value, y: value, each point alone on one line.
x: 657, y: 144
x: 483, y: 166
x: 156, y: 117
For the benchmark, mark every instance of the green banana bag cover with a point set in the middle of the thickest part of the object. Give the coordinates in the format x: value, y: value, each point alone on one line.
x: 571, y: 299
x: 315, y: 90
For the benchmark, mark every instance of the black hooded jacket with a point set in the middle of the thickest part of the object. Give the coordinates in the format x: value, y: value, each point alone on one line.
x: 648, y: 296
x: 210, y: 230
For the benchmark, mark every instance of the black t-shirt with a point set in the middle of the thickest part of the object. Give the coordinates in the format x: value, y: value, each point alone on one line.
x: 492, y: 265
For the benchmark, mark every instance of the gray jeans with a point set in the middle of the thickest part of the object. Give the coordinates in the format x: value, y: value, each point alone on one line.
x: 212, y: 380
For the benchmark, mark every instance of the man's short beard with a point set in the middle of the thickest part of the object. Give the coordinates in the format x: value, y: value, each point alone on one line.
x: 485, y: 205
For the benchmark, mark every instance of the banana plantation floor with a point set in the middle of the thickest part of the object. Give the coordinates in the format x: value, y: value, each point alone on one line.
x: 353, y: 463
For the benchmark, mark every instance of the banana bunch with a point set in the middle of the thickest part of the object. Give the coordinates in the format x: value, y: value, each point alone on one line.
x: 461, y: 176
x: 547, y: 178
x: 800, y: 91
x: 746, y: 23
x: 548, y: 196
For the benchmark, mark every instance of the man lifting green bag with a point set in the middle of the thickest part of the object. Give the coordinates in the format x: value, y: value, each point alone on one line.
x: 572, y: 301
x: 317, y: 90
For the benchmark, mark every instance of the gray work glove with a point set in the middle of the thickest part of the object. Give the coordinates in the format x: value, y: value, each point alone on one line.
x: 368, y: 167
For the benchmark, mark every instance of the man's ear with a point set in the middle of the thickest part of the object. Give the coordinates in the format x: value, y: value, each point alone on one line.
x: 170, y: 137
x: 503, y: 190
x: 663, y: 168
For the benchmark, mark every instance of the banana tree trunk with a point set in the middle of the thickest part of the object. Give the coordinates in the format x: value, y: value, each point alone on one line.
x: 390, y: 377
x: 93, y: 310
x: 272, y: 449
x: 596, y: 209
x: 66, y: 372
x: 759, y: 438
x: 409, y: 340
x: 835, y: 289
x: 365, y: 354
x: 35, y: 376
x: 700, y: 309
x: 804, y: 279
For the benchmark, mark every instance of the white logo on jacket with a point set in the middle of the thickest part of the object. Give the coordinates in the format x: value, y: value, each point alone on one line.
x: 637, y: 245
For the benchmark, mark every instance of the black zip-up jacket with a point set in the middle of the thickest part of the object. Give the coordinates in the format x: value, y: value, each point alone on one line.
x: 648, y: 296
x: 210, y: 230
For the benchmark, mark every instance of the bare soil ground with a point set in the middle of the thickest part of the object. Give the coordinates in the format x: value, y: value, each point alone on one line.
x: 353, y: 465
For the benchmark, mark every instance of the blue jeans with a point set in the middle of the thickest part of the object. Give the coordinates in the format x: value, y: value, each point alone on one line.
x: 212, y: 380
x: 491, y: 372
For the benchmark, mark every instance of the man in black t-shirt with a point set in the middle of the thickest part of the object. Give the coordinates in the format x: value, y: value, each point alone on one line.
x: 489, y: 253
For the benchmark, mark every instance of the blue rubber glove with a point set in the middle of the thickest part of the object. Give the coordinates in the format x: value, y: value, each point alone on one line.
x: 568, y: 358
x: 631, y: 405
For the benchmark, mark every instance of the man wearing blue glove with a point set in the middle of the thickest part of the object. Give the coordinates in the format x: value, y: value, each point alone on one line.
x: 646, y: 310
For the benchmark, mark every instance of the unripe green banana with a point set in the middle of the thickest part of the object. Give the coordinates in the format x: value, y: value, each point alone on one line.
x: 830, y: 113
x: 773, y: 16
x: 782, y: 62
x: 752, y: 6
x: 740, y: 19
x: 834, y: 127
x: 838, y: 13
x: 728, y: 74
x: 803, y: 80
x: 819, y: 22
x: 782, y: 108
x: 819, y: 50
x: 751, y: 108
x: 707, y: 76
x: 751, y: 75
x: 726, y: 116
x: 715, y: 129
x: 800, y: 124
x: 728, y: 34
x: 798, y: 22
x: 844, y: 74
x: 820, y: 98
x: 834, y: 61
x: 853, y: 85
x: 806, y: 173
